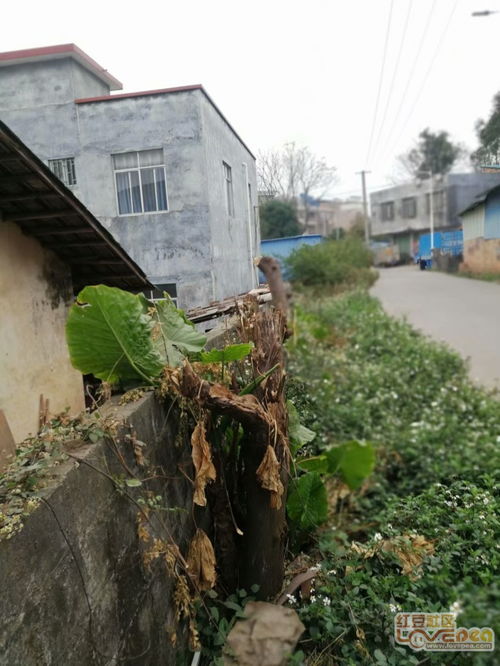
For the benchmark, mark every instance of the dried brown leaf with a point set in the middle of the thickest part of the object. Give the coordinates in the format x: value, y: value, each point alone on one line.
x: 268, y: 474
x: 201, y: 561
x: 203, y: 465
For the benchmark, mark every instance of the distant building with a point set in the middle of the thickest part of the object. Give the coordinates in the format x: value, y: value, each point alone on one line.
x: 50, y: 247
x: 163, y: 170
x: 401, y: 213
x: 481, y: 232
x: 327, y: 216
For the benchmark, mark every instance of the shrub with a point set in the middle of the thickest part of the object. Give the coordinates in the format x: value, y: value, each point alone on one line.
x: 332, y: 263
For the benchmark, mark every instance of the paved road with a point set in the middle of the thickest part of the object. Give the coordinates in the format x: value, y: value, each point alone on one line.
x: 462, y: 312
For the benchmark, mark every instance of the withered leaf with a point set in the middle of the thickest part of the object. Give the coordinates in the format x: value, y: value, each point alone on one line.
x: 203, y: 465
x: 268, y: 474
x: 201, y: 560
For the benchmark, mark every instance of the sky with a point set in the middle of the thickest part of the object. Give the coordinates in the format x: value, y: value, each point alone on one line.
x: 354, y: 80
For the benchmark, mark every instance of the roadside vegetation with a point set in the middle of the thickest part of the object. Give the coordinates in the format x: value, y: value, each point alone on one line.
x: 421, y: 534
x: 332, y: 264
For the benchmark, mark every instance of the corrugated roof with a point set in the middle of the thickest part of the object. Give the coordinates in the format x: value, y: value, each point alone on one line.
x: 479, y: 199
x: 60, y: 51
x: 32, y: 197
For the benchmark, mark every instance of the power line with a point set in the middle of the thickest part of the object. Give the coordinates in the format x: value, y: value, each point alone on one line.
x: 428, y: 72
x: 381, y: 78
x: 394, y: 75
x: 412, y: 70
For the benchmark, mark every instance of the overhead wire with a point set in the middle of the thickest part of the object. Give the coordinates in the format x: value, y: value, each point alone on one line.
x: 380, y: 81
x: 412, y: 70
x: 394, y: 76
x: 427, y: 73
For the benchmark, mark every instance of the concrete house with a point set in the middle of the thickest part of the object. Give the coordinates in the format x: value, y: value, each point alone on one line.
x: 401, y: 213
x: 481, y: 229
x: 162, y: 170
x: 50, y: 247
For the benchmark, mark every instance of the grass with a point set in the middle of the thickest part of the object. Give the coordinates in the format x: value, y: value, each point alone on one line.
x: 486, y: 277
x: 422, y: 534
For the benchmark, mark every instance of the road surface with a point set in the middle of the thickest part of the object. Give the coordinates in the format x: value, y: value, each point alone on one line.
x: 462, y: 312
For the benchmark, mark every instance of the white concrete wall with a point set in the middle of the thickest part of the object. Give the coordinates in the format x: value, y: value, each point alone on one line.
x: 34, y: 297
x: 235, y: 238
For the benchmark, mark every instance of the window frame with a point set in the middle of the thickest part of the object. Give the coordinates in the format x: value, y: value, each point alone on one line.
x: 389, y: 206
x: 138, y: 169
x: 407, y: 202
x: 228, y: 186
x: 71, y: 159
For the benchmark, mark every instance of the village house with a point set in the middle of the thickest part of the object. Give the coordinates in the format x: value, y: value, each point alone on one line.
x: 50, y: 247
x: 162, y: 170
x: 481, y: 231
x: 402, y: 213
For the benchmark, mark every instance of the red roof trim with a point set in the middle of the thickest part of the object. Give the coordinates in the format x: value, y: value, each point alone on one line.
x: 59, y: 50
x: 166, y: 91
x: 143, y: 93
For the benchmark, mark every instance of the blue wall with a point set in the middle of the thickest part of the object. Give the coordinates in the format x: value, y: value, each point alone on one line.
x: 492, y: 215
x: 281, y: 248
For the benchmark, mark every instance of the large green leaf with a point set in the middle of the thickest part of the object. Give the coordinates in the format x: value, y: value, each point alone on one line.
x: 228, y: 354
x: 307, y: 503
x: 174, y: 336
x: 353, y: 460
x: 299, y: 434
x: 110, y: 336
x: 313, y: 464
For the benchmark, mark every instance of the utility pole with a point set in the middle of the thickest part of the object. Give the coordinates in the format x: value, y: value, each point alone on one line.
x: 365, y: 204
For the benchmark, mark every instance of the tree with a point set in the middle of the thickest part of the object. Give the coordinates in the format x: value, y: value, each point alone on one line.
x: 488, y: 134
x: 294, y: 171
x: 432, y: 153
x: 278, y: 219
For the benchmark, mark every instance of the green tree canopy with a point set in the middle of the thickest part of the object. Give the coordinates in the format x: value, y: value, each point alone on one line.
x: 278, y: 219
x: 488, y: 134
x: 434, y: 152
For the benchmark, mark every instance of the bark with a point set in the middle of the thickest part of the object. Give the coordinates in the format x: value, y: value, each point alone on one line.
x: 271, y: 269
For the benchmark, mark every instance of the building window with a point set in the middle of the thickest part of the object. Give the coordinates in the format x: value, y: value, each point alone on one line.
x: 409, y: 207
x: 157, y: 294
x: 387, y: 211
x: 438, y: 201
x: 64, y: 169
x: 140, y: 182
x: 228, y: 179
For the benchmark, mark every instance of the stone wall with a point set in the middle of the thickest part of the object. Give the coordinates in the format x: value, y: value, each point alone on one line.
x: 481, y: 256
x: 81, y: 549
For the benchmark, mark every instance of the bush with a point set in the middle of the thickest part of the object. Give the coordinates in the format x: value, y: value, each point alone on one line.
x: 332, y: 263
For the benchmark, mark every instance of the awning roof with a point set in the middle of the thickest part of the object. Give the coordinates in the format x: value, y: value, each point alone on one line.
x: 32, y: 197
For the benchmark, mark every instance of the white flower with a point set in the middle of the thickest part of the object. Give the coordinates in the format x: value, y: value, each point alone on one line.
x: 291, y: 599
x: 332, y: 572
x: 377, y: 536
x: 393, y: 608
x: 456, y: 607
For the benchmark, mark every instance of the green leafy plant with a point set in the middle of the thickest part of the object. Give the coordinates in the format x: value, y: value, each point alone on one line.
x: 110, y: 336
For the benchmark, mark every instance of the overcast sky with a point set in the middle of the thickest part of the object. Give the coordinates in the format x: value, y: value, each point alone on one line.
x: 295, y: 70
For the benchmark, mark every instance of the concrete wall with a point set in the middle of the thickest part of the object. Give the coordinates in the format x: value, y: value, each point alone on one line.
x: 171, y: 246
x: 235, y: 238
x: 35, y: 290
x: 85, y: 542
x: 194, y: 244
x: 481, y: 256
x: 459, y: 192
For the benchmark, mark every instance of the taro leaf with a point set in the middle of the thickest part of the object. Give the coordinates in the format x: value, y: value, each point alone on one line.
x: 307, y: 503
x: 174, y: 336
x: 201, y: 561
x: 268, y: 475
x: 313, y: 464
x: 228, y: 354
x: 299, y: 434
x: 354, y: 460
x: 110, y: 337
x: 202, y: 461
